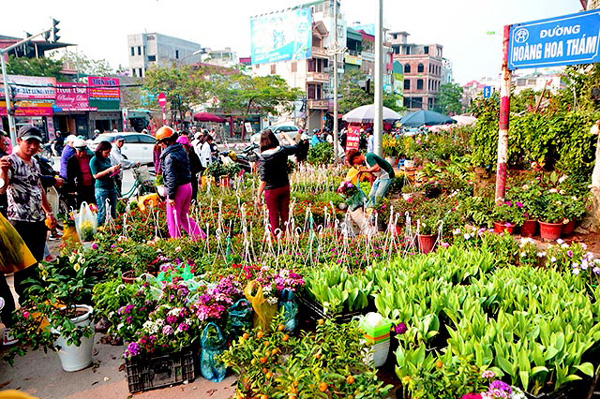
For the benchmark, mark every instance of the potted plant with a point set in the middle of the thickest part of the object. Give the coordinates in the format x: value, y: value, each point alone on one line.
x: 507, y: 216
x: 427, y: 233
x: 552, y: 216
x: 54, y: 314
x: 575, y: 208
x: 530, y: 196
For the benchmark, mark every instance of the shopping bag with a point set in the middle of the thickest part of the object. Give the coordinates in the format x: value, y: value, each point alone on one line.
x: 264, y: 311
x: 239, y: 318
x: 14, y: 254
x: 213, y: 344
x: 86, y: 222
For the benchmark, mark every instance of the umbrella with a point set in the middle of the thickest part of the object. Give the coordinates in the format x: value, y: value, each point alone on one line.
x: 366, y: 113
x: 425, y: 117
x: 464, y: 120
x: 207, y: 117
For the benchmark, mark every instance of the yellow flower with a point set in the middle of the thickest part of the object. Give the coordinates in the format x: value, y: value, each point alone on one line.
x: 76, y: 267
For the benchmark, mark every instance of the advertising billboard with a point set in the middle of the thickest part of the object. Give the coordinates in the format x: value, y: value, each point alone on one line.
x: 566, y: 40
x: 282, y: 36
x: 31, y: 95
x: 104, y: 93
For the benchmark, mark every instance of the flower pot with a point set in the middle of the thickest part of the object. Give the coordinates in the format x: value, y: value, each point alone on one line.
x: 529, y: 228
x: 74, y: 358
x: 550, y: 231
x: 501, y: 227
x: 128, y: 277
x: 426, y: 242
x: 568, y: 228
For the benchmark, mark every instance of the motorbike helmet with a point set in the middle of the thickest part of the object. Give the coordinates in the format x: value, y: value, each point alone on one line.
x: 315, y: 131
x: 79, y: 144
x: 164, y: 133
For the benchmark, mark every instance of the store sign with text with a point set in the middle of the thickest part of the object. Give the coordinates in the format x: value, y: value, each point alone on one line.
x: 72, y: 97
x: 104, y: 93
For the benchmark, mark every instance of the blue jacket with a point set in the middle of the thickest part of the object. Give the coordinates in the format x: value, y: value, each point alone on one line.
x: 67, y: 153
x: 175, y: 166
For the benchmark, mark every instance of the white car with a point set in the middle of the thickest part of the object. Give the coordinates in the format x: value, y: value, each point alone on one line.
x: 289, y: 129
x: 138, y: 147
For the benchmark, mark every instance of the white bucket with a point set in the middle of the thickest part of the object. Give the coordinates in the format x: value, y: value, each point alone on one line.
x: 378, y: 354
x: 74, y: 358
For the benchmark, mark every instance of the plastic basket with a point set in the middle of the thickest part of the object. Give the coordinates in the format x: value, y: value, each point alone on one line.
x: 156, y: 371
x: 314, y: 311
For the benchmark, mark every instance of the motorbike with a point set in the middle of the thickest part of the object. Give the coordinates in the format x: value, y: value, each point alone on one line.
x: 245, y: 158
x: 47, y: 150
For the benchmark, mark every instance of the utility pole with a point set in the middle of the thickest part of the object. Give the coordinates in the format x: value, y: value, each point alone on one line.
x: 336, y: 143
x: 50, y: 35
x: 378, y: 116
x: 504, y: 118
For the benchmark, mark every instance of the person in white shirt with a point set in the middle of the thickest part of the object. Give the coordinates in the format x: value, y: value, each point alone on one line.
x: 205, y: 152
x: 117, y: 158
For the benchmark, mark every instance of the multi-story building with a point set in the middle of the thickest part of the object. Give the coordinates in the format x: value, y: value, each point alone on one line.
x: 423, y: 66
x: 148, y: 49
x: 225, y: 57
x: 314, y: 74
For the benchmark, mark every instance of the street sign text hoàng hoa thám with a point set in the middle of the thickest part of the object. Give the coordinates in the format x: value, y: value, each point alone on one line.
x: 565, y: 40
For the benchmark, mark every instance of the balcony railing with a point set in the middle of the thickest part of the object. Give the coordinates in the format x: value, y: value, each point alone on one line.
x: 317, y: 77
x: 318, y: 104
x: 319, y: 52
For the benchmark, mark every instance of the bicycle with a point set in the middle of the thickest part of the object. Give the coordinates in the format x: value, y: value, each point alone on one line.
x: 143, y: 183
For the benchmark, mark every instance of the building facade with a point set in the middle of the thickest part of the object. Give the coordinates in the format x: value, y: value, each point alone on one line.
x: 155, y: 49
x: 423, y: 66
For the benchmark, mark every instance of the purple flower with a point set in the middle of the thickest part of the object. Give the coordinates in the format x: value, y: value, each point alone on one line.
x: 400, y: 328
x: 94, y: 245
x: 171, y: 319
x: 570, y: 253
x: 133, y: 349
x: 168, y: 330
x: 519, y: 204
x: 500, y: 386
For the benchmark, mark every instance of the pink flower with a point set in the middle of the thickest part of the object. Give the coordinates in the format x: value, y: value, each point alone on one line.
x: 25, y: 314
x: 519, y: 204
x: 94, y: 246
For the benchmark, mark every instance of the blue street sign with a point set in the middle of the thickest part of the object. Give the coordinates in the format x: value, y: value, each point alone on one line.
x: 566, y: 40
x: 487, y: 91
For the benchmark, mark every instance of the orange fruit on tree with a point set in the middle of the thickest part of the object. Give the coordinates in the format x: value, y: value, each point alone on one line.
x: 246, y: 335
x: 350, y: 379
x: 264, y: 370
x: 264, y: 397
x: 274, y: 351
x: 280, y: 327
x: 322, y: 386
x: 285, y: 337
x: 265, y: 343
x: 439, y: 364
x: 320, y: 322
x: 259, y: 334
x: 269, y: 375
x: 263, y: 360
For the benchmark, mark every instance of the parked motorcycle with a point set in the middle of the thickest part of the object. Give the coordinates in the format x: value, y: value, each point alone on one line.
x: 245, y: 158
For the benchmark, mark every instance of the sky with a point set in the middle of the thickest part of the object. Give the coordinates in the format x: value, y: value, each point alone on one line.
x: 460, y: 26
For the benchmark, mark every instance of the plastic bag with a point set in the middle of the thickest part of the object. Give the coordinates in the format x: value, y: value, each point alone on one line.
x: 239, y: 318
x: 213, y: 344
x: 86, y: 222
x: 14, y: 253
x: 263, y: 310
x: 290, y: 310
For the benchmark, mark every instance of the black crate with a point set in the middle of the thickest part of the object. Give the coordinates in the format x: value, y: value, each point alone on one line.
x: 156, y: 371
x: 314, y: 311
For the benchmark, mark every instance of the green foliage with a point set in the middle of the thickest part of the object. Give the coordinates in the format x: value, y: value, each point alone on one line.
x: 35, y: 67
x: 320, y: 154
x: 449, y: 98
x: 85, y: 65
x: 353, y: 95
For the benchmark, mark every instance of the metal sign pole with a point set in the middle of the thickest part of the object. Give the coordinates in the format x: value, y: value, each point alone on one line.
x: 11, y: 122
x: 504, y: 121
x: 336, y: 143
x: 378, y: 116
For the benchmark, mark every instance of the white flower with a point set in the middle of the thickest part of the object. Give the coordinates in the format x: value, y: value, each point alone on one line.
x: 574, y: 198
x: 466, y: 236
x: 553, y: 190
x: 562, y: 192
x: 456, y: 232
x: 523, y: 254
x: 560, y: 241
x: 563, y: 178
x: 574, y: 265
x: 553, y: 259
x: 576, y: 271
x: 541, y: 254
x: 584, y: 264
x: 583, y: 245
x: 564, y: 245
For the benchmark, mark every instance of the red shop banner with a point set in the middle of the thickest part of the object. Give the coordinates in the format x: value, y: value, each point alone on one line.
x: 72, y: 97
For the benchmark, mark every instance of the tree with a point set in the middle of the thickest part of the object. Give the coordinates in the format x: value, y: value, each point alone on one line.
x: 449, y: 98
x: 257, y: 94
x: 184, y: 87
x: 355, y: 92
x: 35, y: 67
x: 86, y: 66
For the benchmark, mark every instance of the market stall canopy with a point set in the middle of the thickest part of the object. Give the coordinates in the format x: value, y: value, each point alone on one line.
x: 208, y: 117
x: 464, y: 120
x: 366, y: 112
x: 425, y: 117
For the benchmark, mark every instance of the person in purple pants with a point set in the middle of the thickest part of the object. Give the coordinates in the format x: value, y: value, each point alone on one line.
x: 175, y: 166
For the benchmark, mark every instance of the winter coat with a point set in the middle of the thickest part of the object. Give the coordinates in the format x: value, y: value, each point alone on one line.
x: 175, y: 166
